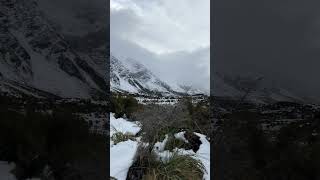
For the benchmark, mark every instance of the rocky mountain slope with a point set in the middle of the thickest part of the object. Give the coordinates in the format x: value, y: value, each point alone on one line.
x: 131, y: 76
x: 34, y: 54
x: 251, y: 88
x: 128, y: 75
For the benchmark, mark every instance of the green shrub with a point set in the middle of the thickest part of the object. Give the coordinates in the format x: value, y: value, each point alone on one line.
x: 123, y: 105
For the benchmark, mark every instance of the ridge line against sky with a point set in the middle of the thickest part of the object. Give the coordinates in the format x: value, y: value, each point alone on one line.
x: 171, y: 38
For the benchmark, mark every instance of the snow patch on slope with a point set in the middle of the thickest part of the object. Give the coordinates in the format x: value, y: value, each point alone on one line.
x: 48, y: 77
x: 131, y: 76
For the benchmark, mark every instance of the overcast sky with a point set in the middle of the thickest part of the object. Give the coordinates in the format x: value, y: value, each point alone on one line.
x: 170, y: 37
x: 277, y: 39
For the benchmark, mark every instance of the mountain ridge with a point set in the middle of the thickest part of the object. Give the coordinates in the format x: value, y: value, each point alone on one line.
x: 256, y: 89
x: 129, y: 75
x: 35, y: 55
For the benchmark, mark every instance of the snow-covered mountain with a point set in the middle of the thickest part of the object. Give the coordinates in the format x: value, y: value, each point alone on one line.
x: 251, y: 88
x: 37, y: 57
x: 128, y: 75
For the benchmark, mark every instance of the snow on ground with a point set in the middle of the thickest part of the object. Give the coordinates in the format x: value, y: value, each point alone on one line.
x: 123, y: 126
x: 122, y: 154
x: 5, y: 169
x: 169, y: 100
x: 180, y: 136
x: 203, y: 154
x: 159, y: 101
x: 159, y: 146
x: 121, y: 158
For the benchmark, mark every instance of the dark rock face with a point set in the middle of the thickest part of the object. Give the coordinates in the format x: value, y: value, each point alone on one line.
x: 13, y: 56
x: 67, y: 65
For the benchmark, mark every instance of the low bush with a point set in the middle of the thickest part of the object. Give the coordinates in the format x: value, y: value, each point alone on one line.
x: 123, y: 105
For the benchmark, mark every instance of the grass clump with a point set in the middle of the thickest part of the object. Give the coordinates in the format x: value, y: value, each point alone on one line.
x: 160, y: 134
x: 121, y: 137
x: 147, y: 166
x: 173, y: 143
x: 177, y: 167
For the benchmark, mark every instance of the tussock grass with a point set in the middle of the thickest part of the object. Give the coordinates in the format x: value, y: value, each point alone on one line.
x: 147, y: 166
x: 173, y: 143
x: 161, y: 133
x: 120, y: 137
x: 177, y: 167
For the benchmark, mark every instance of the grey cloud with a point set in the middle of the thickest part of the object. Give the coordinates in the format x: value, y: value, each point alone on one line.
x: 278, y: 39
x: 136, y: 36
x: 191, y: 68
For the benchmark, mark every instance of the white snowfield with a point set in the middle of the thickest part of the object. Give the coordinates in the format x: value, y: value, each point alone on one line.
x: 122, y: 154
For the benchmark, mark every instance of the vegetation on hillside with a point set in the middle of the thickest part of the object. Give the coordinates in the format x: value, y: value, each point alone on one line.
x: 47, y: 140
x: 243, y: 150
